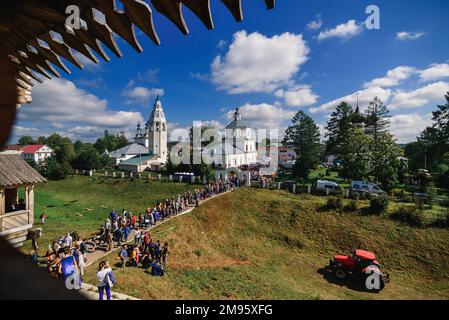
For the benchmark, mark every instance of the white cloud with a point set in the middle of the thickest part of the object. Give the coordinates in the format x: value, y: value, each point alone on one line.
x: 315, y: 24
x: 365, y: 96
x: 263, y: 115
x: 435, y: 72
x: 393, y: 77
x: 404, y: 35
x: 344, y: 31
x: 221, y: 44
x: 406, y: 127
x: 297, y: 97
x: 432, y: 93
x: 257, y: 63
x: 141, y: 95
x: 60, y: 103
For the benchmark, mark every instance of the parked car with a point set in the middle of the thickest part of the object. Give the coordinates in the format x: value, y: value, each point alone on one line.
x: 364, y: 187
x: 322, y: 185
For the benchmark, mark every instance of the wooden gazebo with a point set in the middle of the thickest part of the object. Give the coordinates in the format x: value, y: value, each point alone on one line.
x: 17, y: 180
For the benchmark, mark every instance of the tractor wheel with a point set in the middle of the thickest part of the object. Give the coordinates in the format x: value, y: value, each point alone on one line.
x: 340, y: 274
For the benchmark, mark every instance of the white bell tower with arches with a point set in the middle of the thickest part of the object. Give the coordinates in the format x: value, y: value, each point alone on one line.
x: 157, y: 132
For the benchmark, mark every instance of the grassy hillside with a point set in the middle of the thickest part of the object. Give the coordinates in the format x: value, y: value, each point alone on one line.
x: 259, y: 244
x: 82, y: 203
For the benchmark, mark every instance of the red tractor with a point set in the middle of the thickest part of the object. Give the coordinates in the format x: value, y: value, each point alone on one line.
x: 360, y: 266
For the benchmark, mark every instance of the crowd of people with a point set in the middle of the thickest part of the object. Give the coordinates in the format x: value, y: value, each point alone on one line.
x: 68, y: 255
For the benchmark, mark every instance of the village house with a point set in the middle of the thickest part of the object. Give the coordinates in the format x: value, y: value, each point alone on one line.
x: 36, y: 152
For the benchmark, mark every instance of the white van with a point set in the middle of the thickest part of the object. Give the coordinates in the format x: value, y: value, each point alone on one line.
x: 322, y: 185
x: 364, y: 187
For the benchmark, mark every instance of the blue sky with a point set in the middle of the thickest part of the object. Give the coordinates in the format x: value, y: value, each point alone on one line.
x: 303, y: 55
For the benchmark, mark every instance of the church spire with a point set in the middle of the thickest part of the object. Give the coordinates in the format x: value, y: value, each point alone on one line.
x: 237, y: 115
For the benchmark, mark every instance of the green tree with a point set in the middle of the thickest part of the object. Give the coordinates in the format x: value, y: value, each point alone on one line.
x: 304, y: 137
x: 386, y: 162
x: 121, y: 141
x: 357, y: 154
x: 26, y: 140
x: 55, y: 170
x: 338, y: 126
x: 87, y: 158
x: 378, y: 118
x: 110, y: 142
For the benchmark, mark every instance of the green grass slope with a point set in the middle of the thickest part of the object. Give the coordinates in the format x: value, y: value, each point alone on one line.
x: 83, y: 203
x: 260, y: 244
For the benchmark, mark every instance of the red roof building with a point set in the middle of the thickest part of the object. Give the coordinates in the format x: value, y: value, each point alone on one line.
x: 36, y: 152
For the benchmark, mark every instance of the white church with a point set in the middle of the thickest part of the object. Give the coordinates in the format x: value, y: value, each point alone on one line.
x: 239, y: 145
x: 149, y: 150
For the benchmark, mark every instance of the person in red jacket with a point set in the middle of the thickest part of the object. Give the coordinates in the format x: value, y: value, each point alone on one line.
x: 42, y: 217
x: 133, y: 221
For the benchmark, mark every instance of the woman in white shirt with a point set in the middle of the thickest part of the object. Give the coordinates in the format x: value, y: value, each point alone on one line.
x: 103, y: 280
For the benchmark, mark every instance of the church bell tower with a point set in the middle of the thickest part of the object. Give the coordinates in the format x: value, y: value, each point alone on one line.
x: 157, y: 132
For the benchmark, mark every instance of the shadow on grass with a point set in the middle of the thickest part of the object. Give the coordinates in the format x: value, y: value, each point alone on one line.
x: 352, y: 283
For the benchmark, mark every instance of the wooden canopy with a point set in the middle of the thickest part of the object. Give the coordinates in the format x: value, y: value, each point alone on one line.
x: 16, y: 172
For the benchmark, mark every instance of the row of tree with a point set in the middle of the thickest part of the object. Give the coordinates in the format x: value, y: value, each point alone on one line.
x: 364, y: 146
x: 78, y: 155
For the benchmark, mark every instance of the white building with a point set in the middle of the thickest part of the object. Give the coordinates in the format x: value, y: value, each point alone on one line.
x: 36, y: 152
x: 149, y: 150
x: 154, y: 136
x: 239, y: 146
x: 125, y: 153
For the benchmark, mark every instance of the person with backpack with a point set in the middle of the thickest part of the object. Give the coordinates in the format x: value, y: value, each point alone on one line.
x: 68, y: 266
x: 106, y: 280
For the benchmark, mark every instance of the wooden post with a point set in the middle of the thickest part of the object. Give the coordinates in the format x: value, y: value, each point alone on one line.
x: 160, y: 176
x: 327, y: 191
x: 76, y: 172
x: 171, y: 178
x: 123, y: 175
x: 279, y: 185
x: 31, y: 204
x: 2, y: 206
x: 180, y: 178
x: 309, y: 188
x: 294, y: 188
x: 113, y: 174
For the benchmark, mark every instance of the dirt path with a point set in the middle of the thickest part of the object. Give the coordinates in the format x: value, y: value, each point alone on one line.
x: 101, y: 252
